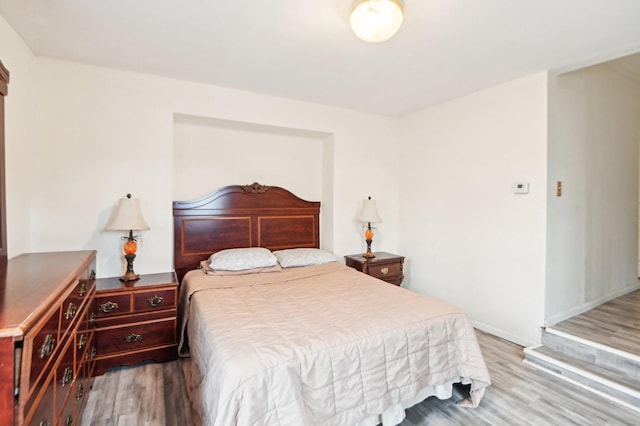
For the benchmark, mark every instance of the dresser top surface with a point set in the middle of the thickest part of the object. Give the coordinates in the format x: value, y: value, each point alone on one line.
x: 30, y: 283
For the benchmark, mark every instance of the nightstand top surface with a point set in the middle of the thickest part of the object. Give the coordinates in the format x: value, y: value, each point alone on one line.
x: 148, y: 280
x: 380, y: 256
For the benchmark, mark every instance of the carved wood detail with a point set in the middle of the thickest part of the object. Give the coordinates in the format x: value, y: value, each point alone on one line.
x: 255, y: 188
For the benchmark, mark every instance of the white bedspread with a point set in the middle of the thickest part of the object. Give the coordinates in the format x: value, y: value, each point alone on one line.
x: 320, y: 345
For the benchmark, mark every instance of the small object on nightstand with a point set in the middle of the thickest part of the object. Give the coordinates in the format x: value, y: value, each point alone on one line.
x: 385, y: 266
x: 369, y: 215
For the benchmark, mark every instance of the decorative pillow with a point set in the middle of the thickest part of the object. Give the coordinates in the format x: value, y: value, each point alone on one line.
x: 204, y: 265
x: 241, y: 259
x: 304, y: 257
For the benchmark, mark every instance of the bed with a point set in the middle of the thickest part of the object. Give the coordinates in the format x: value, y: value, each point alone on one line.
x: 321, y: 344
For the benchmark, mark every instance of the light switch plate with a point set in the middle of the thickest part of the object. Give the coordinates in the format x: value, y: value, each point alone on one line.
x: 521, y: 188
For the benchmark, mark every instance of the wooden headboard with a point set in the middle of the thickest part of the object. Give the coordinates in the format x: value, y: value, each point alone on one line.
x: 242, y: 216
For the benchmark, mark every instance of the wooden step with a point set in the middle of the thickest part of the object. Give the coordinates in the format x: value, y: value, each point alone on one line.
x: 606, y: 383
x: 604, y: 356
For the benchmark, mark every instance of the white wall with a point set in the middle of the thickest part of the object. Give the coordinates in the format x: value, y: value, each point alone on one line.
x: 102, y: 133
x: 469, y: 240
x: 210, y: 153
x: 593, y: 226
x: 19, y: 105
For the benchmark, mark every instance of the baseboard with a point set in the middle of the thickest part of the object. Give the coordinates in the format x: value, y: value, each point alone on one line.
x: 556, y: 318
x: 503, y: 334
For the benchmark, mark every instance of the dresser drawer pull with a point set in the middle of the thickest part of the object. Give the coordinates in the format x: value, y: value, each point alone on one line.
x: 45, y: 422
x: 83, y: 289
x: 109, y: 306
x: 47, y: 346
x: 80, y: 392
x: 91, y: 354
x: 92, y: 275
x: 155, y: 301
x: 68, y: 421
x: 384, y: 271
x: 71, y: 311
x: 92, y: 318
x: 83, y: 341
x: 67, y: 376
x: 132, y: 338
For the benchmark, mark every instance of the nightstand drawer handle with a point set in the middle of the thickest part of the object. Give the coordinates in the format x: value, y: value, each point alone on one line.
x: 47, y: 346
x: 155, y: 301
x: 83, y: 289
x: 132, y: 338
x: 45, y: 423
x: 71, y: 312
x: 69, y: 421
x: 92, y: 318
x: 384, y: 271
x: 109, y: 306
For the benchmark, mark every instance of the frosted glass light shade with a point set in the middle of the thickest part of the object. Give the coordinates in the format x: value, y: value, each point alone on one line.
x: 128, y: 216
x: 375, y: 21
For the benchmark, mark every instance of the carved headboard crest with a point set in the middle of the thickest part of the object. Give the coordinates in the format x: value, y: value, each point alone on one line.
x: 255, y: 188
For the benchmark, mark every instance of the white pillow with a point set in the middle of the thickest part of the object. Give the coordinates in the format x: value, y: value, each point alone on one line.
x: 304, y: 257
x: 241, y: 259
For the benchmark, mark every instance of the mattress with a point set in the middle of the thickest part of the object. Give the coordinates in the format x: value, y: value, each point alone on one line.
x: 320, y: 345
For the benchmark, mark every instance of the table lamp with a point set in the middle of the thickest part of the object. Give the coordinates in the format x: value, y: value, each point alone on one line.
x: 369, y: 215
x: 128, y: 217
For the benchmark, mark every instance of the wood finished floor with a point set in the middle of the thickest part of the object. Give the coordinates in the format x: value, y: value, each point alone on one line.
x: 154, y: 394
x: 615, y: 323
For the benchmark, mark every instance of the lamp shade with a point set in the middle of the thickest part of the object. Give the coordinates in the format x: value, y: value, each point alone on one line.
x: 128, y: 216
x: 369, y: 212
x: 375, y: 21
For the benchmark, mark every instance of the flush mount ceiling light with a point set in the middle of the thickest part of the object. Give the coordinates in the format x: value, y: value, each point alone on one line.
x: 375, y: 21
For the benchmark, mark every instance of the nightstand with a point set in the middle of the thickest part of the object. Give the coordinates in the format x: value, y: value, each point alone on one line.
x: 385, y: 266
x: 136, y: 322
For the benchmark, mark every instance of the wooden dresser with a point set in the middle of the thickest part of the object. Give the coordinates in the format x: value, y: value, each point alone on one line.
x: 46, y: 337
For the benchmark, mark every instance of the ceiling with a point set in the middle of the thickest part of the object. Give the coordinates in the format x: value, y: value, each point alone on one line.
x: 304, y: 49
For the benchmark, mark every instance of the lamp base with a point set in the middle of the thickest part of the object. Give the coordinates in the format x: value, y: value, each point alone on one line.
x: 129, y: 276
x: 369, y: 254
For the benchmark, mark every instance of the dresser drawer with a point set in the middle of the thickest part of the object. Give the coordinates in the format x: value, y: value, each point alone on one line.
x: 135, y: 336
x: 64, y: 377
x: 154, y: 300
x: 110, y: 305
x: 385, y: 271
x: 44, y: 341
x: 42, y: 412
x: 71, y: 307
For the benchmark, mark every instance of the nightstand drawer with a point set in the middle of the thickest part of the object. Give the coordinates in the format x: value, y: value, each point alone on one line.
x: 113, y: 305
x: 136, y: 336
x: 385, y: 271
x: 154, y: 300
